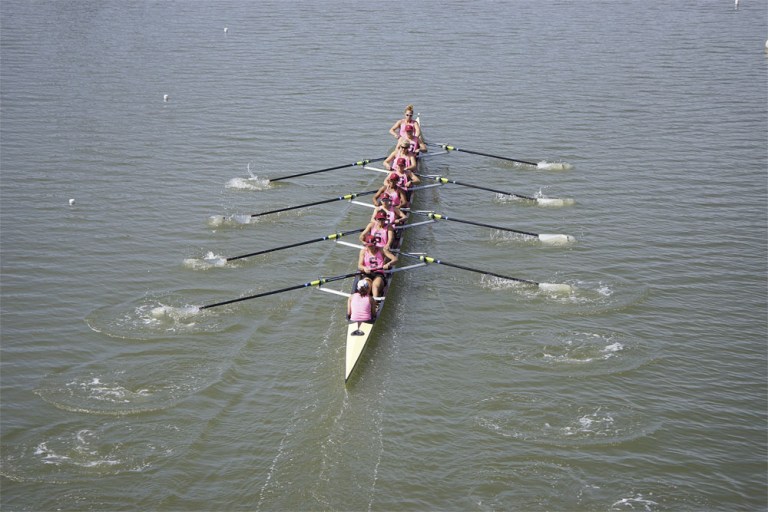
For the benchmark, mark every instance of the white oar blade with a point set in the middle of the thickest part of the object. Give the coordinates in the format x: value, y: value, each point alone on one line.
x: 555, y: 288
x: 175, y: 313
x: 554, y: 201
x: 556, y: 239
x: 554, y: 166
x: 215, y: 221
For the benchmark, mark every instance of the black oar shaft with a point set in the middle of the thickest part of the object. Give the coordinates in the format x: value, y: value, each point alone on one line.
x: 454, y: 148
x: 429, y: 259
x: 442, y: 179
x: 332, y: 236
x: 316, y: 282
x: 358, y: 163
x: 324, y: 201
x: 438, y: 216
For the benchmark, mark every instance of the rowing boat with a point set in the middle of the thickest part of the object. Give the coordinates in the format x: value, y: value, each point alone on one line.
x: 358, y: 333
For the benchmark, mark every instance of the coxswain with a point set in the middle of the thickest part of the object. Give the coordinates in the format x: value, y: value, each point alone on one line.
x: 373, y: 262
x: 360, y: 306
x: 398, y: 129
x: 380, y: 229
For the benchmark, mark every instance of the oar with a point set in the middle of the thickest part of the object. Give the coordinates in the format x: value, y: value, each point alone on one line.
x: 540, y: 165
x: 448, y: 147
x: 550, y: 287
x: 315, y: 203
x: 543, y: 201
x: 316, y: 282
x: 548, y: 239
x: 359, y: 163
x: 332, y: 236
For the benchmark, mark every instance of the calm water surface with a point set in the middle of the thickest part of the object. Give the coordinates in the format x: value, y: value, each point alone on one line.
x: 643, y: 389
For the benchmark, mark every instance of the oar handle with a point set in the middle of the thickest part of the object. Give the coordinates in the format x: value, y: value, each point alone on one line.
x: 316, y: 282
x: 358, y: 163
x: 448, y: 147
x: 332, y: 236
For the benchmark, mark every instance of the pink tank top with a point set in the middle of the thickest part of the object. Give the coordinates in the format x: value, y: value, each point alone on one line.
x: 394, y: 197
x: 403, y: 125
x: 382, y: 235
x: 373, y: 262
x: 402, y: 182
x: 361, y: 308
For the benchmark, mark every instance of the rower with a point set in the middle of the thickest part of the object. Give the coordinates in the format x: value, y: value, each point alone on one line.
x: 380, y: 229
x: 395, y: 216
x: 417, y: 145
x: 391, y: 191
x: 405, y: 179
x: 373, y: 260
x: 402, y: 150
x: 398, y: 129
x: 360, y: 306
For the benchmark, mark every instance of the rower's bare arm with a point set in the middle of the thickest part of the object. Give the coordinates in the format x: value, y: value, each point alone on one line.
x: 390, y: 238
x: 378, y: 195
x: 365, y: 232
x: 394, y: 130
x: 360, y: 261
x: 391, y: 256
x: 388, y: 161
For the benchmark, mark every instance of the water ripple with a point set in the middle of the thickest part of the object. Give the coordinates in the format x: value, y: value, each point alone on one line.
x: 556, y: 421
x: 119, y: 388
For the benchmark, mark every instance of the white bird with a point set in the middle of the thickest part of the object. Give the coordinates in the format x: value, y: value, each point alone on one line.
x: 226, y: 30
x: 165, y: 97
x: 71, y: 202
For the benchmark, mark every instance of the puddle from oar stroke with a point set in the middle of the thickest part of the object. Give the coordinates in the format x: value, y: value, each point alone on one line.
x: 158, y: 315
x: 577, y: 353
x: 91, y: 449
x: 117, y: 387
x: 584, y: 297
x: 557, y: 420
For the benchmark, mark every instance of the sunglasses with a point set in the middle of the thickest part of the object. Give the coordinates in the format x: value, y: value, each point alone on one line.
x: 409, y: 115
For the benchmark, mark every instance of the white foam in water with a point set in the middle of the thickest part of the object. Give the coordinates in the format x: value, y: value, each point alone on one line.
x: 253, y: 183
x: 208, y: 261
x: 215, y: 259
x: 629, y: 503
